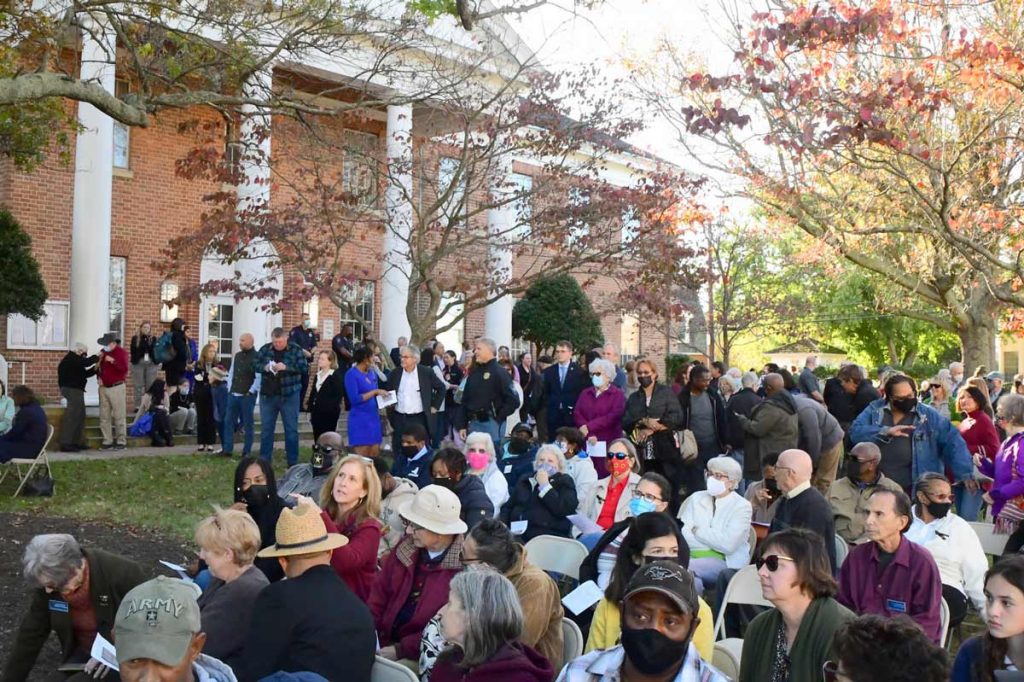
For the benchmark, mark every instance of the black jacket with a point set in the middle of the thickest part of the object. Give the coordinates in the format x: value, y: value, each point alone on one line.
x: 742, y: 402
x: 74, y: 370
x: 476, y: 505
x: 432, y: 392
x: 545, y: 515
x: 328, y: 398
x: 111, y: 577
x: 488, y: 390
x: 310, y: 623
x: 812, y: 511
x: 561, y: 397
x: 666, y: 409
x: 182, y: 354
x: 717, y: 411
x: 141, y: 347
x: 27, y: 435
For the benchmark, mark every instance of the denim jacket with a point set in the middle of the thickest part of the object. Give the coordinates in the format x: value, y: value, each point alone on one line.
x: 936, y: 442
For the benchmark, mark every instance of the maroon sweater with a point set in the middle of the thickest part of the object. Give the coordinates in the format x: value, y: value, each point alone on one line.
x: 980, y: 435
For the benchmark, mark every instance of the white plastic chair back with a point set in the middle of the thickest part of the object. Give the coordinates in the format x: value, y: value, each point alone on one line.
x: 572, y: 641
x: 389, y: 671
x: 744, y: 588
x: 990, y: 542
x: 842, y: 550
x: 943, y: 622
x: 557, y: 555
x: 727, y: 656
x: 752, y: 540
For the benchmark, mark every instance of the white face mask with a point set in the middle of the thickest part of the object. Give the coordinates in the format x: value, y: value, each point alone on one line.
x: 715, y: 487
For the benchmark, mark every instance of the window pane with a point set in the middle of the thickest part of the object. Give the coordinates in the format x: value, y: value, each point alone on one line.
x: 116, y: 298
x: 121, y: 142
x: 522, y: 205
x: 452, y: 208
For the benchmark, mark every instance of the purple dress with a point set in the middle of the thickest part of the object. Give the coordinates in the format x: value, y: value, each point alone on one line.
x: 363, y: 418
x: 1006, y: 485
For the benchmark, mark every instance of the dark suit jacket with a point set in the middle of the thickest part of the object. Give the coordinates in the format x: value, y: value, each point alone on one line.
x: 27, y: 435
x: 562, y: 397
x: 432, y: 397
x: 310, y: 623
x: 328, y: 398
x: 110, y: 578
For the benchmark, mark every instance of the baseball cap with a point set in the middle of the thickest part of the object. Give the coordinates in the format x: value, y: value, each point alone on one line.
x: 994, y: 375
x: 156, y: 620
x: 667, y: 578
x: 523, y: 427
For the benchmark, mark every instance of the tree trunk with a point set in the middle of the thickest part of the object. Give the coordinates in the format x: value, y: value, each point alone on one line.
x: 978, y: 335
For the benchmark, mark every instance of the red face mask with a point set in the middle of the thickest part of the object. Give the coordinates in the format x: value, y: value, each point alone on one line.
x: 618, y: 467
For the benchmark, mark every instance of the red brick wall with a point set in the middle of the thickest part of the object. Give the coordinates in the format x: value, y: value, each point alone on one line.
x: 151, y: 205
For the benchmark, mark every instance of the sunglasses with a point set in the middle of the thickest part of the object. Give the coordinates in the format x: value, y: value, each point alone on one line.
x: 618, y: 455
x: 771, y: 561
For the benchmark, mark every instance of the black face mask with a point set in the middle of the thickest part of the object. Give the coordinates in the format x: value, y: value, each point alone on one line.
x: 518, y: 446
x: 444, y: 483
x: 256, y: 495
x: 410, y: 451
x: 652, y: 652
x: 938, y: 509
x: 904, y: 405
x: 853, y: 469
x: 645, y: 381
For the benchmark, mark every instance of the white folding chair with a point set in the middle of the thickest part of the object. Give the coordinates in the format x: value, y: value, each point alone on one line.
x: 842, y: 550
x: 557, y: 555
x: 727, y: 656
x: 384, y: 670
x: 40, y: 460
x: 572, y: 641
x: 944, y: 622
x: 990, y: 542
x: 752, y: 539
x: 744, y: 588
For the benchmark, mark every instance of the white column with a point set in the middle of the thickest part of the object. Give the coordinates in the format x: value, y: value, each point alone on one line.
x: 501, y: 221
x: 253, y: 198
x: 91, y: 205
x: 398, y: 203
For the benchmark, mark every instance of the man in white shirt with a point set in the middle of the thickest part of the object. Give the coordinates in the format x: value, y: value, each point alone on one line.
x: 419, y: 392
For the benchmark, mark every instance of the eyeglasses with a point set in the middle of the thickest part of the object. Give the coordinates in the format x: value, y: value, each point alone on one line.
x: 717, y: 474
x: 406, y: 523
x: 637, y: 495
x: 470, y: 561
x: 618, y: 455
x: 830, y: 672
x: 771, y: 561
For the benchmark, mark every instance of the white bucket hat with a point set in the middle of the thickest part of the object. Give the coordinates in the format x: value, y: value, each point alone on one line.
x: 437, y: 509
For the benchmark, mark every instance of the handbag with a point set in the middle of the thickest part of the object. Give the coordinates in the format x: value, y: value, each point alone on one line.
x: 1012, y: 512
x: 687, y: 444
x: 40, y: 485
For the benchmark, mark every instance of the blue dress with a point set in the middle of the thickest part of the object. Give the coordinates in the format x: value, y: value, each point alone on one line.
x: 363, y: 418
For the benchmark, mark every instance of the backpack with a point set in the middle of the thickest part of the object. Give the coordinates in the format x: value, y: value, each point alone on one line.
x: 142, y: 427
x: 164, y: 351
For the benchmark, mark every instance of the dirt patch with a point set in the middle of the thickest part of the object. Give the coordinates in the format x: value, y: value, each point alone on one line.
x: 145, y: 547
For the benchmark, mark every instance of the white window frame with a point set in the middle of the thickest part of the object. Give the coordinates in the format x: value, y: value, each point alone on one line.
x: 169, y: 291
x: 447, y: 167
x: 50, y: 332
x: 312, y: 308
x: 366, y: 305
x: 122, y: 160
x: 205, y: 336
x: 359, y: 174
x: 113, y: 294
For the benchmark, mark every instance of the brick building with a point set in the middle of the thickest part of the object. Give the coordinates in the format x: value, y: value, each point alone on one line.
x: 99, y: 224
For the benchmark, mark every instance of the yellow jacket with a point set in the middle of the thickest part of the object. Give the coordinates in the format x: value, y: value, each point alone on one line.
x: 606, y: 627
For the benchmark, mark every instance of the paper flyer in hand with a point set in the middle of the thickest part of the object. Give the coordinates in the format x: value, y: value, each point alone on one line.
x: 583, y: 597
x: 390, y: 399
x: 104, y: 652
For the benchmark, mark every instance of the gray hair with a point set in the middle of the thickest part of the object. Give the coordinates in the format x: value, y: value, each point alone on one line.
x: 493, y: 613
x: 409, y: 349
x: 81, y: 348
x: 481, y: 439
x: 490, y: 343
x: 724, y: 464
x: 552, y: 450
x: 1011, y: 408
x: 628, y: 446
x: 51, y: 559
x: 278, y: 333
x: 749, y: 380
x: 735, y: 373
x: 605, y: 367
x: 927, y: 481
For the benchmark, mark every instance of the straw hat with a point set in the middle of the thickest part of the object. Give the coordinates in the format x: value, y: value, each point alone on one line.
x: 302, y: 531
x: 437, y: 509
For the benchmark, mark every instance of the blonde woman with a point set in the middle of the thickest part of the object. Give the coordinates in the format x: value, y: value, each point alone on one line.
x: 207, y: 373
x: 350, y: 505
x: 228, y: 541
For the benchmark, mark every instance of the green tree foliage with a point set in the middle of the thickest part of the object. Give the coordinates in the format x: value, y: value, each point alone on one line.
x: 554, y: 309
x: 22, y: 289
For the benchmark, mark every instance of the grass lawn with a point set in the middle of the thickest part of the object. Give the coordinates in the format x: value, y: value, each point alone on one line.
x: 169, y: 494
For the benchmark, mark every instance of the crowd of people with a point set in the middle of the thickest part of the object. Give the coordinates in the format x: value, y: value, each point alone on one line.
x: 851, y: 501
